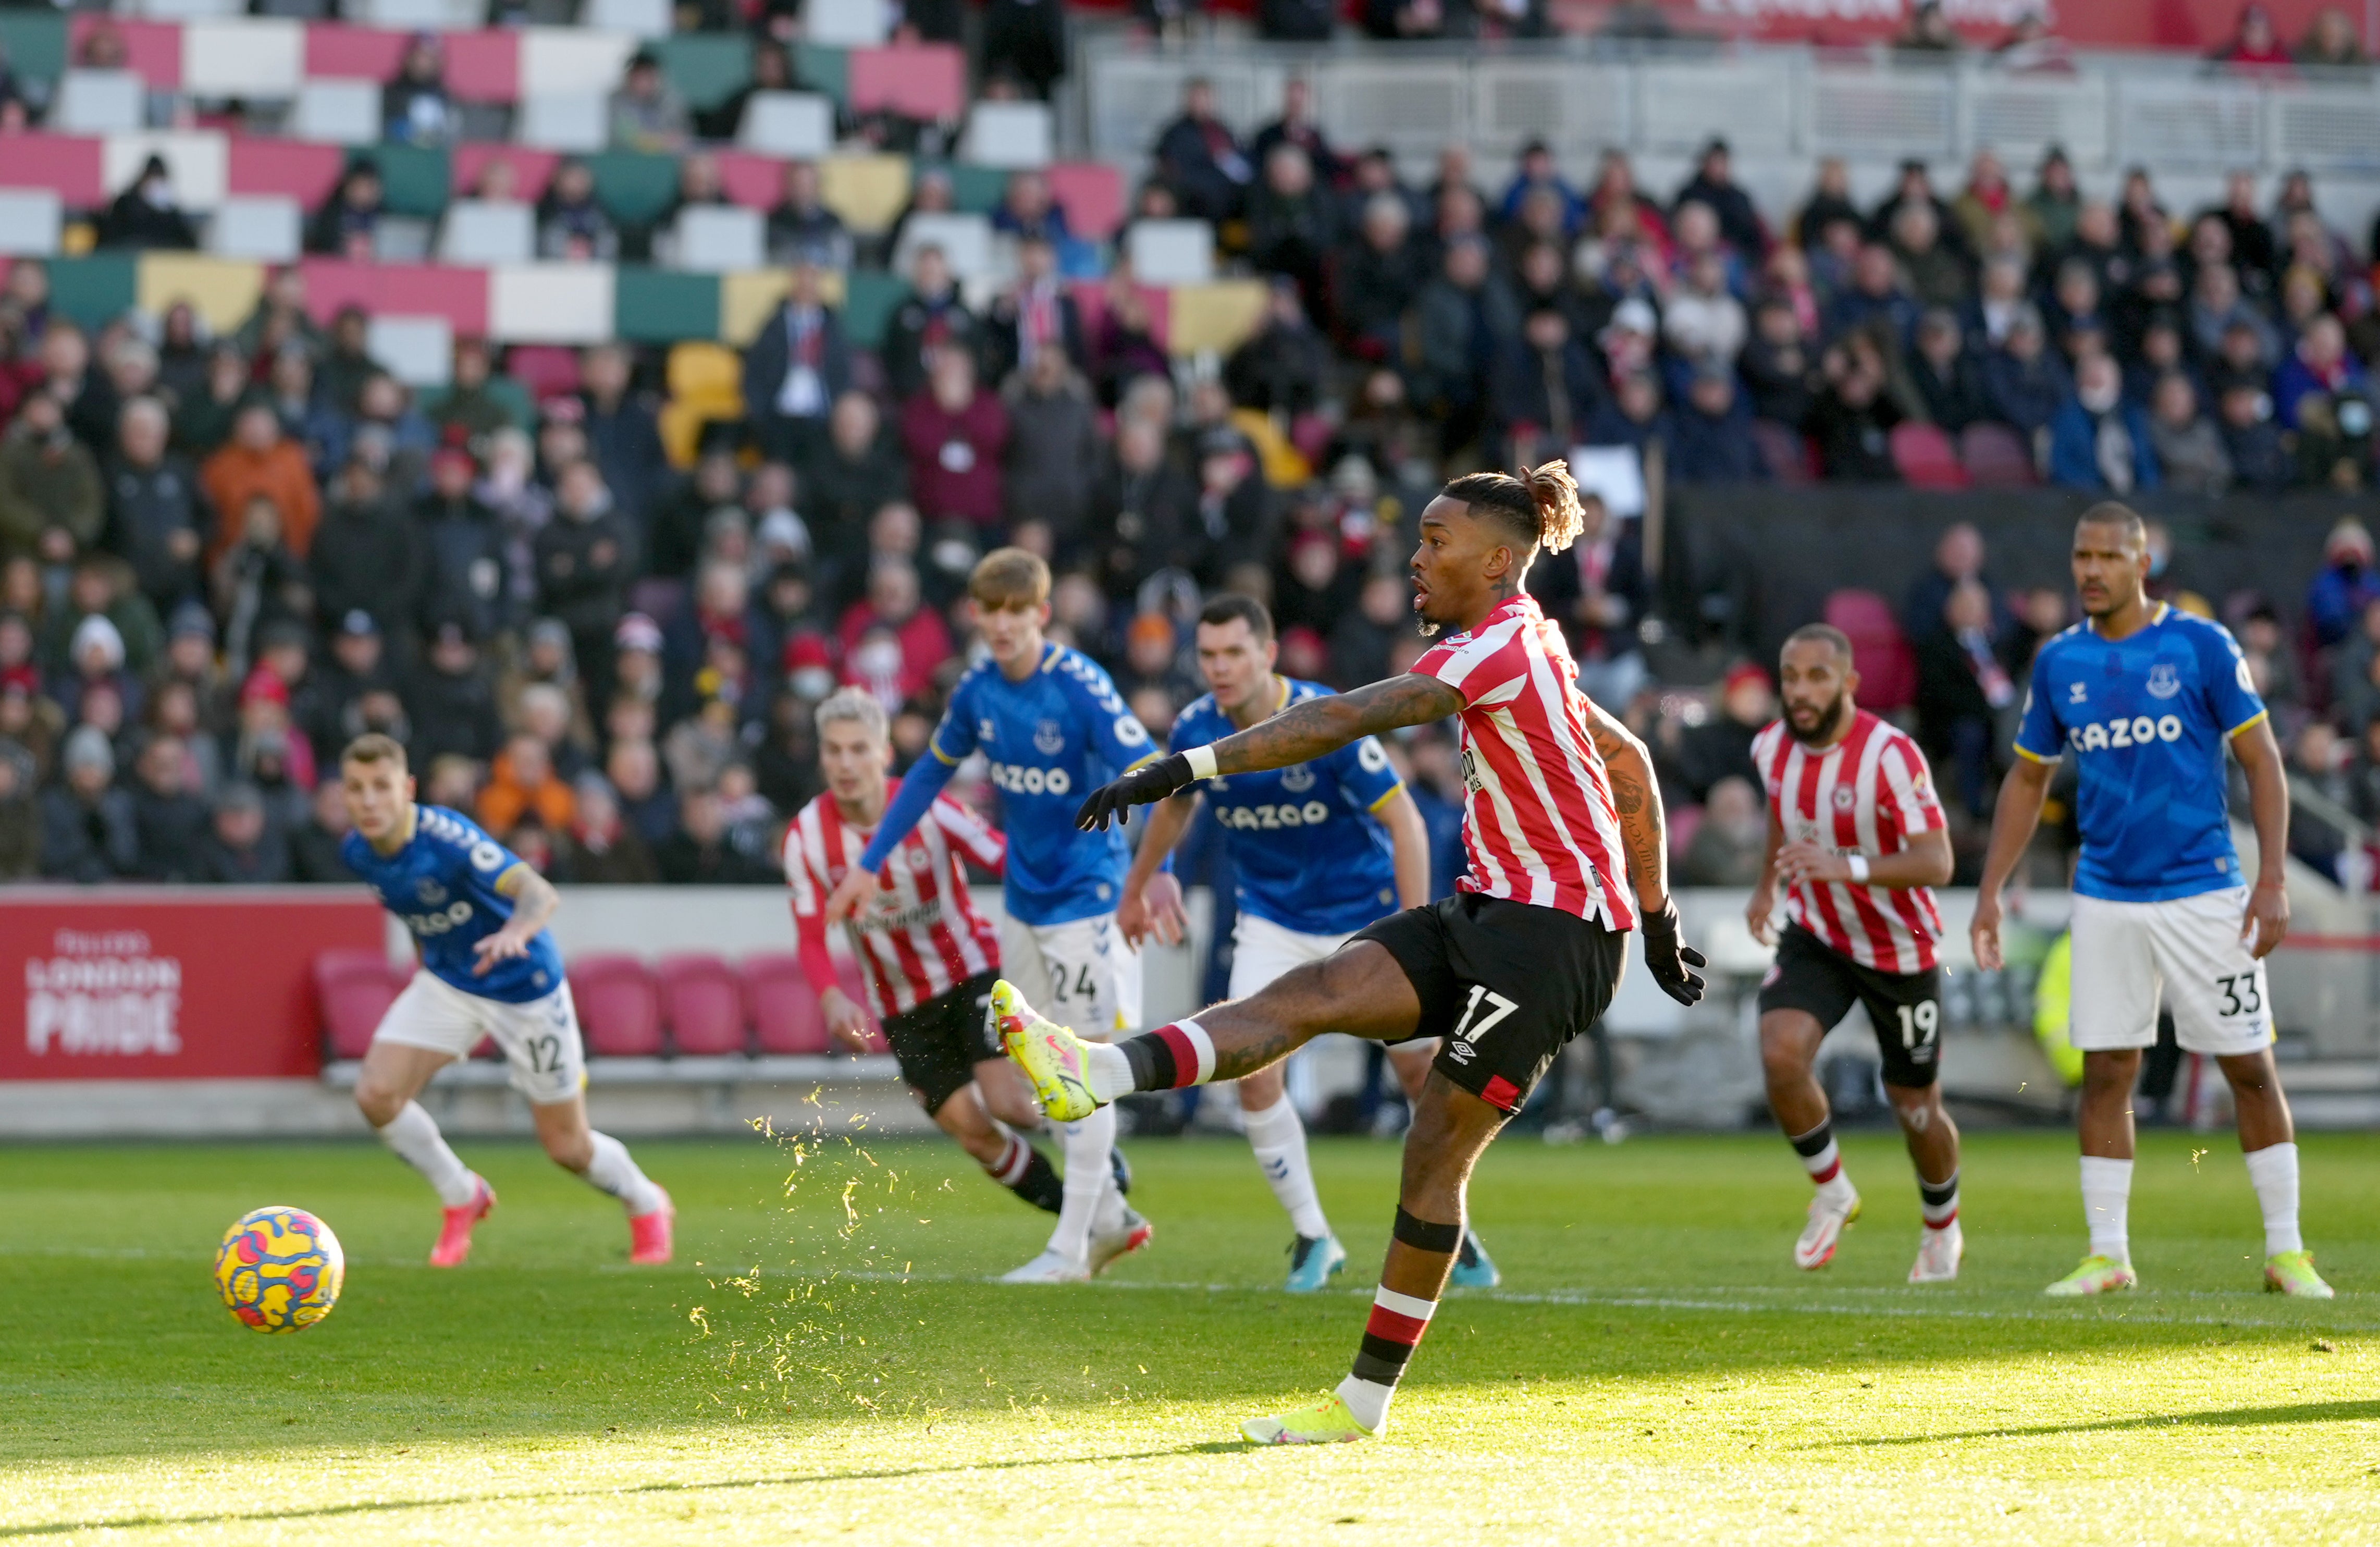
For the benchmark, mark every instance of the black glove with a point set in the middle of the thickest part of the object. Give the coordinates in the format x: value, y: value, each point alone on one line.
x: 1670, y: 963
x: 1149, y: 783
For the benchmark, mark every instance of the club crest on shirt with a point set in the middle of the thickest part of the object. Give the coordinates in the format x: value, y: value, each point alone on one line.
x: 2077, y: 692
x: 1845, y: 797
x: 429, y: 892
x: 1049, y: 738
x: 986, y: 728
x: 1297, y: 779
x: 2164, y: 680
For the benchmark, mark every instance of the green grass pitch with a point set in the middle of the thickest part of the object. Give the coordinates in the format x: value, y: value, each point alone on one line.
x: 1654, y: 1369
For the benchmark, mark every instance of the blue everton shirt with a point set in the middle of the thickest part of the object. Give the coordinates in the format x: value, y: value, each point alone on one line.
x: 2148, y: 719
x: 1051, y: 739
x: 1306, y: 843
x: 442, y: 885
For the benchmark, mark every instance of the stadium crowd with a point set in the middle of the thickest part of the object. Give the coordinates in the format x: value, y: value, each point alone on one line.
x: 223, y: 556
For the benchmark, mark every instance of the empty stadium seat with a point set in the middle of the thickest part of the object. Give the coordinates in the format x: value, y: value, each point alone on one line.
x: 99, y: 102
x: 481, y: 231
x: 718, y: 238
x: 265, y: 226
x: 249, y: 56
x: 1171, y: 251
x: 1997, y: 458
x: 702, y: 1004
x: 966, y: 240
x: 844, y: 23
x: 1925, y: 456
x: 799, y: 125
x: 418, y: 351
x: 642, y: 19
x: 1887, y: 667
x: 354, y: 989
x: 619, y: 1006
x: 1008, y: 134
x: 918, y: 80
x: 1092, y: 195
x: 337, y: 112
x: 563, y: 121
x: 31, y: 222
x: 782, y: 1007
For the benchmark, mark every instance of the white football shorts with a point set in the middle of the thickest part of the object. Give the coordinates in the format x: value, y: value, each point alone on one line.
x: 2188, y: 949
x: 1262, y: 951
x: 540, y: 1039
x: 1090, y: 979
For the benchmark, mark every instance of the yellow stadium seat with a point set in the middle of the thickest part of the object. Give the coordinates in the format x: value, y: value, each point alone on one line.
x: 221, y: 290
x: 869, y: 192
x: 707, y: 371
x: 1216, y: 316
x: 1285, y: 466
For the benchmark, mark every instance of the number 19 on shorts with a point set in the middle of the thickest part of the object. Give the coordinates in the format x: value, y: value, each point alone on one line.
x: 1919, y: 1023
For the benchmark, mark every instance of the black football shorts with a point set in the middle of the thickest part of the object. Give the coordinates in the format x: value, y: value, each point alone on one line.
x: 941, y: 1041
x: 1813, y: 976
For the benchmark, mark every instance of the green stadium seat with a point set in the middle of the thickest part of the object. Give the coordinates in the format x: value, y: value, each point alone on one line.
x: 977, y: 189
x: 35, y: 42
x: 414, y: 180
x: 819, y: 68
x: 95, y: 291
x: 869, y: 300
x: 656, y: 306
x: 705, y: 68
x: 634, y: 185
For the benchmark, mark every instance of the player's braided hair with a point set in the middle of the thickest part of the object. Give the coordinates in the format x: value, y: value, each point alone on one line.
x: 1540, y: 507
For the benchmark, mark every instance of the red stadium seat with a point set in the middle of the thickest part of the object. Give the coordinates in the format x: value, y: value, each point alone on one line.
x: 1925, y: 456
x: 1783, y: 452
x: 1887, y: 667
x: 289, y: 167
x: 1997, y: 458
x: 355, y: 988
x: 532, y: 169
x: 782, y: 1006
x: 926, y: 82
x: 547, y: 370
x: 702, y: 1004
x: 619, y: 1006
x: 1091, y: 192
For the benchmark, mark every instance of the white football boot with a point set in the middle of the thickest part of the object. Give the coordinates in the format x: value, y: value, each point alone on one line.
x: 1829, y: 1212
x: 1939, y: 1253
x: 1049, y: 1268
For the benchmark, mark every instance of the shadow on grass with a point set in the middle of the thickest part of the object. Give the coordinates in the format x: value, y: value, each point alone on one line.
x: 716, y: 1485
x: 2219, y: 1418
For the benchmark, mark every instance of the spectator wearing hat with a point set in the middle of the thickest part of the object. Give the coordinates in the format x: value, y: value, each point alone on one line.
x: 1710, y: 431
x: 1202, y: 160
x: 95, y: 662
x: 795, y: 368
x: 414, y: 106
x: 2347, y: 581
x: 242, y: 847
x: 2024, y: 380
x: 367, y: 555
x: 88, y: 830
x: 1714, y: 184
x: 646, y: 113
x: 463, y: 550
x: 608, y: 852
x: 157, y: 517
x: 450, y: 701
x: 1949, y: 382
x: 100, y: 585
x: 358, y: 666
x: 931, y: 317
x: 1235, y: 514
x: 51, y: 501
x: 259, y: 460
x: 348, y: 222
x: 956, y: 435
x: 586, y: 557
x: 148, y: 214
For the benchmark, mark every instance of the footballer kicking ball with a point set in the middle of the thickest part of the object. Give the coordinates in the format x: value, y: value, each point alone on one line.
x: 279, y: 1269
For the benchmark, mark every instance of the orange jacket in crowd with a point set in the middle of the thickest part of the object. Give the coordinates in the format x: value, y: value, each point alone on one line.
x: 233, y: 475
x: 505, y: 800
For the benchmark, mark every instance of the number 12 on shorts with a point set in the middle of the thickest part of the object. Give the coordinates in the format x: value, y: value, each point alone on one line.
x: 1919, y: 1022
x: 1503, y: 1007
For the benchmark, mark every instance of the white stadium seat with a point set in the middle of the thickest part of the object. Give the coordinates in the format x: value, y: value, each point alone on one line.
x: 250, y: 58
x: 1009, y: 134
x: 267, y: 228
x: 796, y: 124
x: 418, y: 351
x: 31, y: 220
x: 1171, y: 252
x: 483, y: 231
x: 966, y: 240
x: 845, y: 23
x: 573, y: 121
x: 99, y: 102
x: 337, y: 113
x: 719, y: 238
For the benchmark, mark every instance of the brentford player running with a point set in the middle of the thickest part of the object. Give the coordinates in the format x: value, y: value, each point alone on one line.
x: 1319, y: 850
x: 1507, y: 971
x: 1856, y: 838
x: 2146, y: 698
x: 1052, y: 726
x: 927, y: 958
x: 489, y: 968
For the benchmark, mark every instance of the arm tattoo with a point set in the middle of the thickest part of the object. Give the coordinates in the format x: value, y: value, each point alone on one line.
x: 1318, y: 725
x: 1637, y: 798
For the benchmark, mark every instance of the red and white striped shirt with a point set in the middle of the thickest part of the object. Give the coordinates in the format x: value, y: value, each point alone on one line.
x: 1538, y: 819
x: 920, y: 935
x: 1869, y: 793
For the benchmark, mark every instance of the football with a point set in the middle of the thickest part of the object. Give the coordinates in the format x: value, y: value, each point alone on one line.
x: 279, y: 1269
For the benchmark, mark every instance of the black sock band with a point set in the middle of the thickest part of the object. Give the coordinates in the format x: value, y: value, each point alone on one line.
x: 1152, y: 1062
x: 1040, y: 1185
x: 1938, y: 1194
x: 1423, y: 1235
x: 1380, y: 1362
x: 1815, y: 1142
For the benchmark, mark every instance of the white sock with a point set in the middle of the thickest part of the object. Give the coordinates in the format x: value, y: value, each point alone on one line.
x: 2273, y: 1171
x: 1089, y: 1176
x: 1109, y: 1217
x: 1110, y: 1072
x: 1368, y: 1400
x: 1279, y: 1140
x: 414, y: 1136
x: 612, y: 1171
x: 1825, y: 1164
x: 2106, y: 1200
